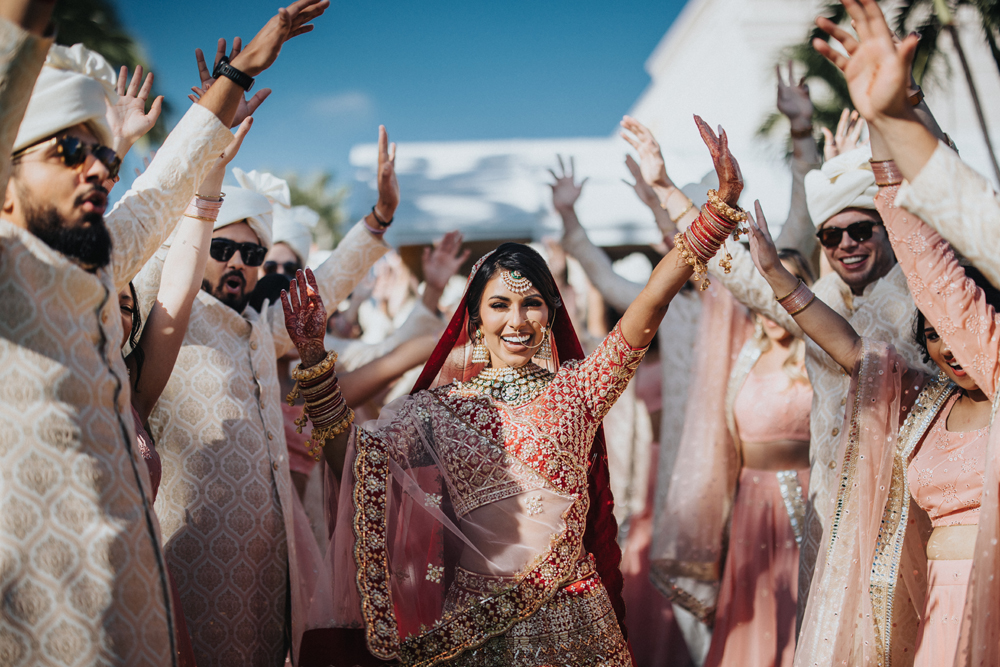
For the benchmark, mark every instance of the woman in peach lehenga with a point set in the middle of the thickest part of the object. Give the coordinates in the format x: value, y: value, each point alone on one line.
x: 890, y: 588
x: 748, y: 415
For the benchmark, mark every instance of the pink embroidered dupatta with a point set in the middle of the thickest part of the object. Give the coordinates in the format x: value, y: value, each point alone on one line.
x: 385, y: 589
x: 689, y: 535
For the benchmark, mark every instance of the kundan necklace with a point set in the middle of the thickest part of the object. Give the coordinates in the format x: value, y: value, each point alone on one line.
x: 516, y: 386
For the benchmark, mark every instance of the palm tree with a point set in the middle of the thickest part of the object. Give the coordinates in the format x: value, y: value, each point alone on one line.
x: 321, y: 195
x: 929, y: 18
x: 95, y: 24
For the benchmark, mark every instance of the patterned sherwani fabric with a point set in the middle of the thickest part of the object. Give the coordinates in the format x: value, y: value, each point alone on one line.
x: 883, y: 312
x: 225, y: 502
x: 82, y: 574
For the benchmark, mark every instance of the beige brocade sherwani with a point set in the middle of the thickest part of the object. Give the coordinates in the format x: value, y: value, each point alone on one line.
x: 884, y: 312
x: 82, y: 575
x: 225, y: 501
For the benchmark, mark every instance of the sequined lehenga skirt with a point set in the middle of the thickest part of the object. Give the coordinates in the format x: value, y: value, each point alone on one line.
x: 577, y: 627
x: 755, y: 614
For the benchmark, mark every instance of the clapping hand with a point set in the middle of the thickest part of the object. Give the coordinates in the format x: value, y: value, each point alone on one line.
x: 726, y: 167
x: 651, y: 165
x: 305, y: 317
x: 127, y: 118
x: 246, y: 107
x: 877, y: 67
x: 444, y: 260
x: 847, y: 137
x: 793, y: 100
x: 565, y: 189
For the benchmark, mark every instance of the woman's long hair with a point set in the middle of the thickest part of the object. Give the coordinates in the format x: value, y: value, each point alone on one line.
x: 136, y: 356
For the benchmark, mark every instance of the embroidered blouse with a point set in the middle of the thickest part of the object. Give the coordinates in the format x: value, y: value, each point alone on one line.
x: 771, y: 407
x: 946, y: 474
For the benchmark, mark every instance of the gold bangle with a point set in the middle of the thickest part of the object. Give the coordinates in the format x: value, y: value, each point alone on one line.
x: 779, y: 299
x: 681, y: 214
x: 725, y: 210
x: 915, y: 97
x: 200, y: 217
x: 306, y: 374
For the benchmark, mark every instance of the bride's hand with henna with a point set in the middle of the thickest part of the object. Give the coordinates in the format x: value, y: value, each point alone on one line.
x: 305, y: 317
x: 726, y: 167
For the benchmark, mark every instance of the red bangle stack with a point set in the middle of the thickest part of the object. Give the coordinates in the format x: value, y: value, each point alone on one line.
x: 705, y: 236
x: 324, y: 404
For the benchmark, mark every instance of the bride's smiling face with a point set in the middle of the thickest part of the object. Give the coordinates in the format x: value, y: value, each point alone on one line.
x: 511, y: 323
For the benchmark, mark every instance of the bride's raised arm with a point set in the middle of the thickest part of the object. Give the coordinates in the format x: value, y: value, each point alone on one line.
x: 694, y: 247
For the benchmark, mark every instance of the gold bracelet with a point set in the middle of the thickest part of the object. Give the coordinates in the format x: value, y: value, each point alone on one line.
x: 200, y: 217
x: 725, y: 210
x: 681, y: 214
x: 323, y: 434
x: 306, y: 374
x: 779, y: 299
x: 807, y: 304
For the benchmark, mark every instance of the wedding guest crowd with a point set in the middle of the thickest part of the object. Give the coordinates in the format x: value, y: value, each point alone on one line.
x: 271, y: 454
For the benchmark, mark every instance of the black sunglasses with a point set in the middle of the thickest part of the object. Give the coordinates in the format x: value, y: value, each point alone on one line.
x: 74, y: 152
x: 222, y: 250
x: 859, y: 231
x: 287, y: 268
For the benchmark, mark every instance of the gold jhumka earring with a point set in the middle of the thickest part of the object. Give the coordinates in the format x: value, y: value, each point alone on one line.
x: 544, y: 352
x: 480, y: 353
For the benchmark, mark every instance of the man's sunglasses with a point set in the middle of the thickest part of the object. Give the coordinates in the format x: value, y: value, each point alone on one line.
x: 859, y: 231
x: 222, y: 250
x: 74, y: 152
x: 287, y: 268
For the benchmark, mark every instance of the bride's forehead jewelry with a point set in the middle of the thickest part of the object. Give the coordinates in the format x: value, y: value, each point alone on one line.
x: 515, y: 282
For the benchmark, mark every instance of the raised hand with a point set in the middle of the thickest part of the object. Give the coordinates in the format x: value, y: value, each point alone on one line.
x: 305, y: 317
x: 444, y: 260
x: 877, y: 68
x: 565, y: 189
x: 127, y: 118
x: 246, y: 107
x: 762, y: 249
x: 641, y: 187
x: 793, y: 100
x: 289, y: 22
x: 212, y: 185
x: 388, y: 184
x: 726, y: 167
x: 847, y: 137
x: 651, y: 165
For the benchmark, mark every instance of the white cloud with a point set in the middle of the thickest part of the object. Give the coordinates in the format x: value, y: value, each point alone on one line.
x: 350, y: 104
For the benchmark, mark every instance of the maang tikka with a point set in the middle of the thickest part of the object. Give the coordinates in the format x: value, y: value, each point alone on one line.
x: 480, y: 353
x: 515, y: 282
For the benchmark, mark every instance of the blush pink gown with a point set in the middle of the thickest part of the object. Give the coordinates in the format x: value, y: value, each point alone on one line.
x: 755, y: 613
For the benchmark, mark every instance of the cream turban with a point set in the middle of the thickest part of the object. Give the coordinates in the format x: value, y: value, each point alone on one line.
x: 251, y: 203
x: 72, y: 88
x: 291, y: 227
x: 845, y: 181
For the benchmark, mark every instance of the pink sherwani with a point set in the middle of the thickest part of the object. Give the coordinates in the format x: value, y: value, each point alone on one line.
x: 225, y: 503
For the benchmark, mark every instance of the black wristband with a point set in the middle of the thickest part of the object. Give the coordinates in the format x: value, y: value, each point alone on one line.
x: 241, y: 79
x: 381, y: 223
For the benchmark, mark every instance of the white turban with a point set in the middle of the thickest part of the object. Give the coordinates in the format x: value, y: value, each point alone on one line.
x: 73, y: 87
x: 845, y: 181
x: 291, y: 227
x: 250, y: 203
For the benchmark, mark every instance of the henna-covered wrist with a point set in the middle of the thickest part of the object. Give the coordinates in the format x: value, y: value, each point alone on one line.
x: 311, y: 353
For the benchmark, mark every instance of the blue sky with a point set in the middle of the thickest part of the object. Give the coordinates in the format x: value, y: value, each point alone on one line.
x: 430, y: 70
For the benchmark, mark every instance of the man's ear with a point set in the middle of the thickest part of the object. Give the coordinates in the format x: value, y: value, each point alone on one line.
x: 9, y: 198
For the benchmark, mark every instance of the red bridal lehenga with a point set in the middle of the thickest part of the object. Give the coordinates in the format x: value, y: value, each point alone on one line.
x: 474, y: 524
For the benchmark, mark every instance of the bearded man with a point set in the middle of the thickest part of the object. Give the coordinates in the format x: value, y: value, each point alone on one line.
x: 83, y: 576
x: 227, y: 505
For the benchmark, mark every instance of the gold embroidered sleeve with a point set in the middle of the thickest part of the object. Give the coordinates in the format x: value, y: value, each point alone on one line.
x: 602, y: 376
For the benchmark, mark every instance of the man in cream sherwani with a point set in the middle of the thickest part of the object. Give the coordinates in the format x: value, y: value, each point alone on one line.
x: 82, y: 576
x: 226, y: 499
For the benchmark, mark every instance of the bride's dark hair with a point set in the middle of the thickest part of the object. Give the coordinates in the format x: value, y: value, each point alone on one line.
x: 512, y: 257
